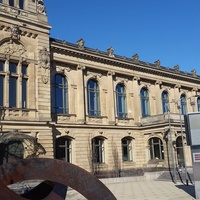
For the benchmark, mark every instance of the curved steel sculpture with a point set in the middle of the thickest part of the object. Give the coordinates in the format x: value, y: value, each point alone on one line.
x: 53, y: 170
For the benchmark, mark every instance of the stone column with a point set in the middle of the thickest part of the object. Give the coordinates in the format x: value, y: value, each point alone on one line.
x: 81, y: 115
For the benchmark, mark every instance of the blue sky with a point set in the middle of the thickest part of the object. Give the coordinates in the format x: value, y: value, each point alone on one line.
x: 168, y: 30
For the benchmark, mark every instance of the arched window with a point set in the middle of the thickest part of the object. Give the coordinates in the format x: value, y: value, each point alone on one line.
x: 127, y: 149
x: 183, y: 105
x: 156, y: 149
x: 60, y: 95
x: 145, y: 102
x: 98, y: 150
x: 93, y: 98
x: 21, y: 4
x: 179, y: 150
x: 64, y: 149
x: 121, y: 101
x: 198, y: 104
x: 165, y: 101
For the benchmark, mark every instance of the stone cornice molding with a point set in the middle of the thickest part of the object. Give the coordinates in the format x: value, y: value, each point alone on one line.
x: 15, y: 28
x: 119, y: 61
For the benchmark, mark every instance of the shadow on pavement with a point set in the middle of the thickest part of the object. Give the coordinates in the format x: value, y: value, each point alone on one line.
x: 187, y: 188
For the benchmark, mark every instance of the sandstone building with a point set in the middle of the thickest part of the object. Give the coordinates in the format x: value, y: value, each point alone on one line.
x: 98, y: 110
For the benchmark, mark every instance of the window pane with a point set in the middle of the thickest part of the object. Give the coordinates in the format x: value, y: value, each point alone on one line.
x: 183, y: 105
x: 24, y: 69
x: 12, y: 92
x: 198, y: 104
x: 121, y: 101
x: 1, y: 66
x: 12, y: 67
x: 93, y: 98
x: 60, y: 95
x: 11, y: 2
x: 144, y: 102
x: 21, y: 4
x: 24, y: 93
x: 165, y: 101
x: 1, y: 90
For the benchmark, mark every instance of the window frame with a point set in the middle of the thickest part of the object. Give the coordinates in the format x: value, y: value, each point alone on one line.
x: 98, y: 150
x: 121, y: 103
x: 127, y: 149
x: 145, y: 103
x: 165, y: 101
x: 156, y: 148
x: 64, y: 149
x: 93, y: 97
x: 183, y: 104
x: 61, y: 107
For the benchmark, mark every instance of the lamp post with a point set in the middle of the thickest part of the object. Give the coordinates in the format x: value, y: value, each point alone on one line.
x: 171, y: 143
x: 181, y: 126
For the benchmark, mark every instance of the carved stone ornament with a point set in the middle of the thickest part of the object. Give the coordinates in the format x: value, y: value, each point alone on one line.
x: 62, y: 70
x: 44, y: 58
x: 45, y: 79
x: 176, y: 68
x: 81, y: 43
x: 194, y: 73
x: 135, y: 58
x: 157, y: 63
x: 15, y: 32
x: 110, y: 51
x: 41, y: 7
x: 12, y: 48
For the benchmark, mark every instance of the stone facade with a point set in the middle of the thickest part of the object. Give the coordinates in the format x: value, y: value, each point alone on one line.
x: 98, y: 110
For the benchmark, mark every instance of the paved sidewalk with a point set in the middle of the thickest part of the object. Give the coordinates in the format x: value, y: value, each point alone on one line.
x: 144, y: 190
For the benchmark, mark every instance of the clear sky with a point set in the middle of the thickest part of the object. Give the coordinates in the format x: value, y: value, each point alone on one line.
x: 168, y: 30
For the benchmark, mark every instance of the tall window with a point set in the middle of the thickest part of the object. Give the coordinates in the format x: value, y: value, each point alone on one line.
x: 165, y: 101
x: 126, y: 149
x: 121, y: 101
x: 64, y: 149
x: 93, y: 98
x: 24, y: 85
x: 60, y: 95
x: 156, y: 149
x: 145, y: 102
x: 183, y: 105
x: 98, y: 150
x: 198, y: 104
x: 16, y: 84
x: 13, y: 85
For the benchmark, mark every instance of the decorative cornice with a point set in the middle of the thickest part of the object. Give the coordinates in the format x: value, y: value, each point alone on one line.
x: 16, y: 31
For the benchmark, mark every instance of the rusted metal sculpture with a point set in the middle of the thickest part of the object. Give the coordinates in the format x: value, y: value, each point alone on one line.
x: 53, y: 170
